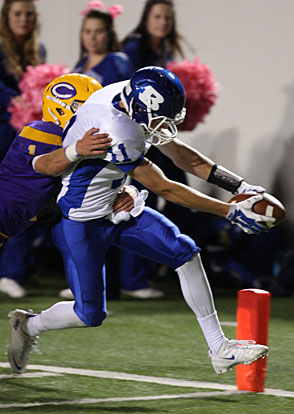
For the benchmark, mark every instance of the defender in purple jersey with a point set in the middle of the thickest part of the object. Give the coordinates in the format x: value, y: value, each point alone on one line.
x: 23, y: 191
x: 37, y: 150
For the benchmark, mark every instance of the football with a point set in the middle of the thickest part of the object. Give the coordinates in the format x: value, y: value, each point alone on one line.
x: 269, y: 206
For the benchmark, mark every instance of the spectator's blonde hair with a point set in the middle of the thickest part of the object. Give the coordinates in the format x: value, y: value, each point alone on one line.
x: 18, y: 58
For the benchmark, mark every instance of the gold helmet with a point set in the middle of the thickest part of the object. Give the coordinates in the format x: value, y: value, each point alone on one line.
x: 63, y: 96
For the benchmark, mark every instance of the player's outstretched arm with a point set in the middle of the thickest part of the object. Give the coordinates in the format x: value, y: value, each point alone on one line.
x: 56, y: 162
x: 154, y: 179
x: 193, y: 162
x: 241, y: 213
x: 187, y: 158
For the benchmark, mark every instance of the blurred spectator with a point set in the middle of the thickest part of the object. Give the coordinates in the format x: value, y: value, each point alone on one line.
x: 283, y: 272
x: 155, y: 41
x: 239, y: 261
x: 101, y: 58
x: 19, y: 48
x: 100, y: 55
x: 283, y: 269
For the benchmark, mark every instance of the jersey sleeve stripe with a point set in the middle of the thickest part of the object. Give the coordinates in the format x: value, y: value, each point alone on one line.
x: 4, y: 235
x: 40, y: 136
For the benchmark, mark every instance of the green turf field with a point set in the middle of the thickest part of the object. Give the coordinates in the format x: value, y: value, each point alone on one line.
x: 152, y: 339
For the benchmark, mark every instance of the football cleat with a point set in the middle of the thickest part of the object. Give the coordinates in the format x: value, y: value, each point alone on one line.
x: 234, y: 352
x: 21, y: 344
x: 12, y: 288
x: 145, y: 293
x: 66, y: 294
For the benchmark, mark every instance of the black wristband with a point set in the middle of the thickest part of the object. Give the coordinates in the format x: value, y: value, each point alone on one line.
x: 224, y: 178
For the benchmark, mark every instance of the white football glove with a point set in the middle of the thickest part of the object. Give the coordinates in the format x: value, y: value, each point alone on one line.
x: 242, y: 214
x: 139, y: 203
x: 248, y: 188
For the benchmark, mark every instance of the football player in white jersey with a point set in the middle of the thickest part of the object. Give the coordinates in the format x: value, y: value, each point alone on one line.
x: 136, y: 113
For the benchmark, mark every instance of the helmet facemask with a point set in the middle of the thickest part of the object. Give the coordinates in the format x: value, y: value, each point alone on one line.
x: 65, y: 111
x: 161, y: 130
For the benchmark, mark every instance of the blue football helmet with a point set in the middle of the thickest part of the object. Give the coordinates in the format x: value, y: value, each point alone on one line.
x: 155, y: 98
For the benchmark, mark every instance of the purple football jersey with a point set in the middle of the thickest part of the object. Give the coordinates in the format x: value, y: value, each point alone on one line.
x: 23, y: 191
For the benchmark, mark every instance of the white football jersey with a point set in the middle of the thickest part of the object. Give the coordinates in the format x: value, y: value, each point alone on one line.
x: 91, y: 185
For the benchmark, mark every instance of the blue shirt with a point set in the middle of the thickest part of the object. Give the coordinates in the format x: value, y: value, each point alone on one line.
x: 143, y: 55
x: 115, y: 67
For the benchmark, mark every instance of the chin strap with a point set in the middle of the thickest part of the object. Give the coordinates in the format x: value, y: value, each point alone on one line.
x: 61, y: 103
x: 54, y: 117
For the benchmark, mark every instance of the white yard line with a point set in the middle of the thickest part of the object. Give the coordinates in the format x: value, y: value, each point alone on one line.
x: 124, y: 399
x: 30, y: 375
x: 143, y: 378
x: 228, y: 323
x: 129, y: 377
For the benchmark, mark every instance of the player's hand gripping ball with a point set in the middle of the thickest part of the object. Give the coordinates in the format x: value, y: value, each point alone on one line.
x: 269, y: 206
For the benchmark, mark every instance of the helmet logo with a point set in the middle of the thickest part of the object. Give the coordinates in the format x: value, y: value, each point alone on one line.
x: 63, y: 90
x: 151, y: 98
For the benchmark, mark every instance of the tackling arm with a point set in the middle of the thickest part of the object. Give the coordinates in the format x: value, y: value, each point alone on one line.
x: 56, y: 162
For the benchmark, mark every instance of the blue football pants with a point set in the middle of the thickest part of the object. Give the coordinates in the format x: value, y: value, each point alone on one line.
x: 84, y: 245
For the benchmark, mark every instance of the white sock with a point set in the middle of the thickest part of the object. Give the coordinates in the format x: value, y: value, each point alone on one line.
x: 197, y: 294
x: 59, y: 316
x: 212, y: 331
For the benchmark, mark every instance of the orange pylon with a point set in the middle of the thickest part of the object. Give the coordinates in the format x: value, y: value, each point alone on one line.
x: 253, y: 312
